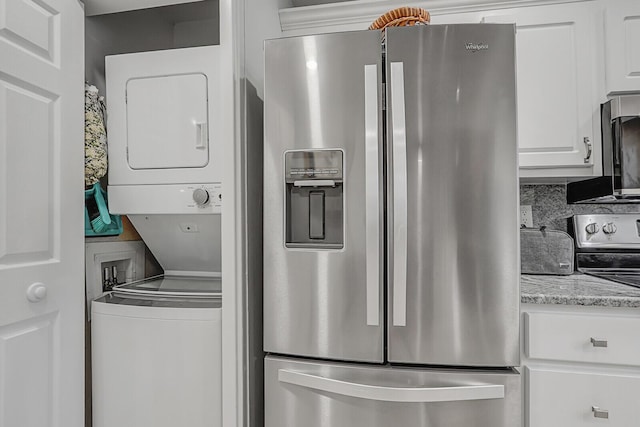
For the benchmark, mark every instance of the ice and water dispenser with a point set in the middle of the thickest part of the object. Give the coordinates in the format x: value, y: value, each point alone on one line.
x: 314, y: 199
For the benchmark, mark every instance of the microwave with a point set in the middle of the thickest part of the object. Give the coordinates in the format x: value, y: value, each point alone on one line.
x: 620, y: 180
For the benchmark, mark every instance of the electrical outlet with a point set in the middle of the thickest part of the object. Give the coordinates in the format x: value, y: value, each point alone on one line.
x: 526, y: 216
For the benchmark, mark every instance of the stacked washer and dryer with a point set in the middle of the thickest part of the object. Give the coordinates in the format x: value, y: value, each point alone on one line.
x: 156, y: 347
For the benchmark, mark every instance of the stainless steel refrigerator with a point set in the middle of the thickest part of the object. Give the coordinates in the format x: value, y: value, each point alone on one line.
x: 391, y: 256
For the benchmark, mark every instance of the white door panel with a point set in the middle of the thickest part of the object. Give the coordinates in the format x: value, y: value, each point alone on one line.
x: 28, y: 118
x: 32, y: 338
x: 33, y: 25
x: 41, y: 216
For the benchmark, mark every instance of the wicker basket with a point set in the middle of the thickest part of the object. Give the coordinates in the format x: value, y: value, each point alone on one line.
x: 401, y: 17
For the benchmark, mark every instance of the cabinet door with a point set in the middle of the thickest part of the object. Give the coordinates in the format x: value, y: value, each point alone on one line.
x: 559, y: 397
x: 622, y: 32
x: 583, y: 338
x: 557, y: 86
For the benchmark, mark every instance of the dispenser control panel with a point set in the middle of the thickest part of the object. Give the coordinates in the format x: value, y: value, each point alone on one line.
x: 313, y: 165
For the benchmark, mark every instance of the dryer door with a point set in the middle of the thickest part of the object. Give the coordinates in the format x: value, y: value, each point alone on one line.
x: 167, y: 123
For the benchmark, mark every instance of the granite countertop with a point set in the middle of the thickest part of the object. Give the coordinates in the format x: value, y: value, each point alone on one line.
x: 577, y: 289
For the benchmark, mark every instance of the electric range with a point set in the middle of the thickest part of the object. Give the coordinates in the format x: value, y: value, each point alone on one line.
x: 608, y: 246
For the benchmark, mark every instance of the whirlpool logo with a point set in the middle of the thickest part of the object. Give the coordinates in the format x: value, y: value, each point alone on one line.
x: 476, y: 47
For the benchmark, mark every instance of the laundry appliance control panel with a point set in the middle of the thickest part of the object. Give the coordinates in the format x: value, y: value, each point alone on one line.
x: 166, y: 199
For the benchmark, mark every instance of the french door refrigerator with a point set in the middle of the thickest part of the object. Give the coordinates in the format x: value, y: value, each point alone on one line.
x: 391, y: 256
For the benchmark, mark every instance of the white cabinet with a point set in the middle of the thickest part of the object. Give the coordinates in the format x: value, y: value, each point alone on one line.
x: 581, y: 365
x: 622, y: 33
x: 567, y: 398
x: 583, y: 338
x: 558, y: 53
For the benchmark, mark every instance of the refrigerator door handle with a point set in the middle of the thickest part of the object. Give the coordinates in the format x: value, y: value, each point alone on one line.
x: 392, y: 394
x: 399, y: 195
x: 372, y: 195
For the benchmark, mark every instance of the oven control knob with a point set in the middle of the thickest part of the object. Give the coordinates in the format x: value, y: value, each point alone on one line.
x: 201, y: 196
x: 609, y: 228
x: 592, y: 228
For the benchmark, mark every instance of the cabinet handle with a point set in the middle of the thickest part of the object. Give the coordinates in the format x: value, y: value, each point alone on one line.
x: 589, y: 147
x: 599, y: 342
x: 599, y: 413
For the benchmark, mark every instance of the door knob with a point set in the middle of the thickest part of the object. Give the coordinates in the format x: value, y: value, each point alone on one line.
x: 36, y: 292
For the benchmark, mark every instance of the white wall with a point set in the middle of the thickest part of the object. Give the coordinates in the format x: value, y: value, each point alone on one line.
x: 261, y: 23
x: 192, y: 24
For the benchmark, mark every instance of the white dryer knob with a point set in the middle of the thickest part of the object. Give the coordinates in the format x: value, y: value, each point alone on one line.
x: 201, y: 196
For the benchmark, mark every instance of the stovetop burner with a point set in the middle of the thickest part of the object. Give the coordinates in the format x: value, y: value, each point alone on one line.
x: 608, y: 246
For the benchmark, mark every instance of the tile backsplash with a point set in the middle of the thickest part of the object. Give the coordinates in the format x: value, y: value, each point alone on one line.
x: 549, y: 206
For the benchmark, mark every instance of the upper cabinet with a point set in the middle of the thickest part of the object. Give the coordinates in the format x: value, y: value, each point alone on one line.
x: 558, y: 60
x: 622, y: 33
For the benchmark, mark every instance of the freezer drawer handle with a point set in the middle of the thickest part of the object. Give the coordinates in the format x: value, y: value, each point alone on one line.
x: 393, y: 394
x: 399, y: 195
x: 599, y: 413
x: 599, y: 342
x: 372, y: 195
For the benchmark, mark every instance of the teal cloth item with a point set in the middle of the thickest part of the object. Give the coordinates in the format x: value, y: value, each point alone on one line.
x: 97, y: 219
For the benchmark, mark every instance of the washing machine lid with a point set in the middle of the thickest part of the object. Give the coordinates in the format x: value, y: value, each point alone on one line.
x: 173, y: 286
x: 156, y: 301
